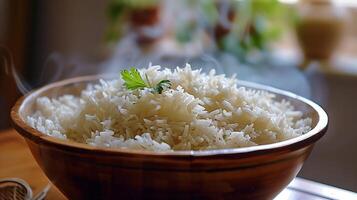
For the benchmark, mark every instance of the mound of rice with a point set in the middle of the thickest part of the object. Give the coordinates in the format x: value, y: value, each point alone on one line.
x: 200, y: 111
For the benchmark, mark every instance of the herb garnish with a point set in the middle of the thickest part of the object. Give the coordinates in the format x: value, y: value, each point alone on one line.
x: 133, y: 80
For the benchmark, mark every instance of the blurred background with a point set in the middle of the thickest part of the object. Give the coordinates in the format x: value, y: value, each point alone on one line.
x: 308, y: 47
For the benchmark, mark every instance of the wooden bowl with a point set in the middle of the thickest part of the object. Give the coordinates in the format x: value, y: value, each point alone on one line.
x: 81, y: 171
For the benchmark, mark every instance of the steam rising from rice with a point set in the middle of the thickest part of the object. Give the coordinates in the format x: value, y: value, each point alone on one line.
x: 200, y: 111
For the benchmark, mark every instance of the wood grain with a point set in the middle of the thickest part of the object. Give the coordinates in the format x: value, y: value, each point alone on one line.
x: 15, y: 151
x: 16, y: 161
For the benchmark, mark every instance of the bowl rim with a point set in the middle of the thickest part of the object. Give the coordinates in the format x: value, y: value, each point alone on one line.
x: 288, y: 145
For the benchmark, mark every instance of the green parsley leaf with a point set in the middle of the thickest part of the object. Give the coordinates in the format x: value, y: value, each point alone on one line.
x: 162, y: 85
x: 133, y: 81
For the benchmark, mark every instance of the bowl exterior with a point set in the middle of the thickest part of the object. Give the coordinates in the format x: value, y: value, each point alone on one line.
x: 87, y: 176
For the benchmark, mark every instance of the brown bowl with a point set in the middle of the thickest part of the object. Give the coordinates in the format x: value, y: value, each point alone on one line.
x: 81, y: 171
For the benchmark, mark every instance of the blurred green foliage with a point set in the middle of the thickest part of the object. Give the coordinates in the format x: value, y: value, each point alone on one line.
x: 116, y: 12
x: 184, y: 31
x: 257, y: 23
x: 254, y: 24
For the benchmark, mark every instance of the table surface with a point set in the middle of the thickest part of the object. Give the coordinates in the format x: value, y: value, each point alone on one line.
x: 16, y: 161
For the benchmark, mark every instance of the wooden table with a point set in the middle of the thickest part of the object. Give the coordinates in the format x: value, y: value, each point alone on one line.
x: 16, y: 161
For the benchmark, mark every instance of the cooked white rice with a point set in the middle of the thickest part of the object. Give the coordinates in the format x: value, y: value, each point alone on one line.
x: 200, y: 111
